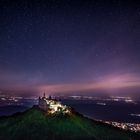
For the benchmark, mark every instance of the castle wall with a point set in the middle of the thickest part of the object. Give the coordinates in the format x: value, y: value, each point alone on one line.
x: 43, y: 105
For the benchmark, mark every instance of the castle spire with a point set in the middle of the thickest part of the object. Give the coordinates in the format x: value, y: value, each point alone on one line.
x: 44, y: 94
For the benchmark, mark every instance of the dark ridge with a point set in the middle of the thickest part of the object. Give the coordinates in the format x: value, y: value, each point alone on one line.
x: 35, y: 124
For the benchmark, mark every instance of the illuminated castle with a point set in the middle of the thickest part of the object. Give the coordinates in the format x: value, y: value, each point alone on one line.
x: 42, y: 103
x: 51, y: 106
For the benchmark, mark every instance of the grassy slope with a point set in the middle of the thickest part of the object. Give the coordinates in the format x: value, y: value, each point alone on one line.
x: 34, y: 125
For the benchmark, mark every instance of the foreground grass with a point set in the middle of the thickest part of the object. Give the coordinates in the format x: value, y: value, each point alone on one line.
x: 36, y: 125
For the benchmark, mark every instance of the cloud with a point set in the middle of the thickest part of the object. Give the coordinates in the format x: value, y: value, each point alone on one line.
x: 105, y: 83
x: 35, y: 84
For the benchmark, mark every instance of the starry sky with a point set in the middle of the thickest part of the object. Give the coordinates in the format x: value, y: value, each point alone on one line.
x: 63, y: 46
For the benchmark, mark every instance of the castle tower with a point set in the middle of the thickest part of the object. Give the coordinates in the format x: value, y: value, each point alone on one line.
x: 42, y: 103
x: 44, y: 94
x: 50, y: 97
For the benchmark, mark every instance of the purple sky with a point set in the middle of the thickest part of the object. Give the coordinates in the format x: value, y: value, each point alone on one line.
x: 70, y: 46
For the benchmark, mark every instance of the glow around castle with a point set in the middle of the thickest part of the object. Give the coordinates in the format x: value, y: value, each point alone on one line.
x: 52, y: 106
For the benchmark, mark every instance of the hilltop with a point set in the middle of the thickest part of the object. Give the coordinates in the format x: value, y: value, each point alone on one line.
x: 35, y: 124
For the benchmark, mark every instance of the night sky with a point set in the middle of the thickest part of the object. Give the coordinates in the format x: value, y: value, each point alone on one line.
x: 62, y: 46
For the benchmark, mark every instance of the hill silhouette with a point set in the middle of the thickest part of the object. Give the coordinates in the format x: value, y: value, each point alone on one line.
x: 35, y: 124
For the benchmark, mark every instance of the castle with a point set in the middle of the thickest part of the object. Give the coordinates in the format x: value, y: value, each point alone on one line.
x: 51, y: 106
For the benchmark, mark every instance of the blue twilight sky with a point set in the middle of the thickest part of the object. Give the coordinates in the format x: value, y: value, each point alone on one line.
x: 69, y: 44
